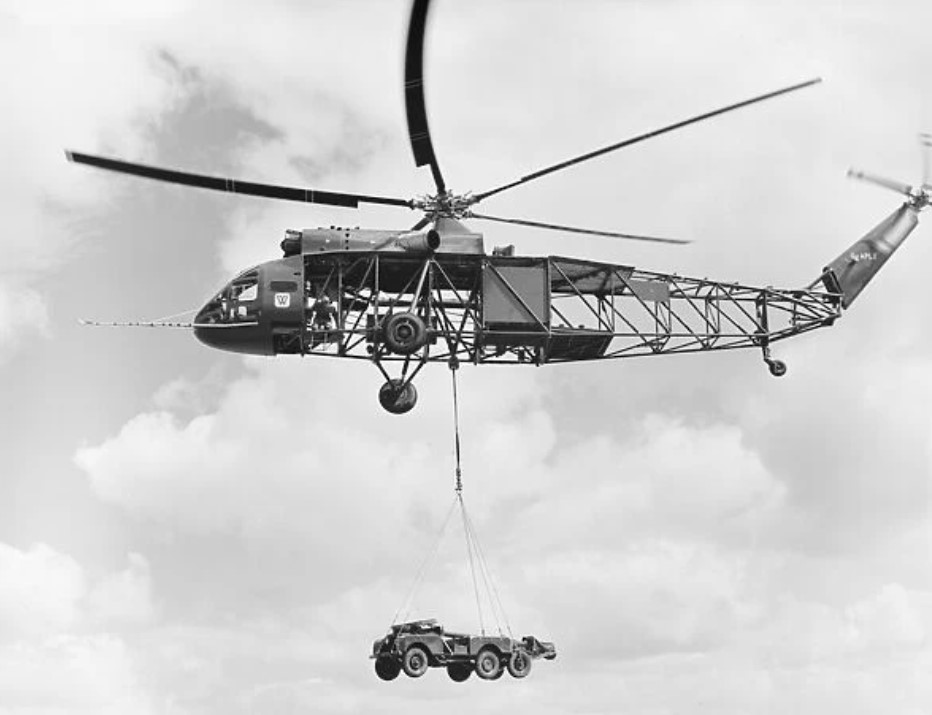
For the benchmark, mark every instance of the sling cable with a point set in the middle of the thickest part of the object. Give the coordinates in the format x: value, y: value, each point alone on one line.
x: 414, y: 646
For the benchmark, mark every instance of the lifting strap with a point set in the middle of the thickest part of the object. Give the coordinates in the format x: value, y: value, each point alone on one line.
x: 478, y: 567
x: 458, y: 489
x: 473, y: 547
x: 454, y: 366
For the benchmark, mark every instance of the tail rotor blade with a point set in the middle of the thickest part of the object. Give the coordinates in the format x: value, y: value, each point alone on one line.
x: 575, y: 229
x: 886, y: 183
x: 415, y: 105
x: 925, y: 140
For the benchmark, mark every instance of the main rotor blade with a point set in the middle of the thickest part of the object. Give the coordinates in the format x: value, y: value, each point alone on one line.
x: 233, y: 186
x: 886, y: 183
x: 415, y: 106
x: 574, y: 229
x: 643, y: 137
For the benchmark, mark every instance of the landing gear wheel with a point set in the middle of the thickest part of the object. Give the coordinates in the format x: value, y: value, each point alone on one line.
x: 397, y: 399
x: 459, y: 672
x: 387, y: 668
x: 519, y: 665
x: 777, y: 368
x: 488, y: 665
x: 404, y: 333
x: 415, y: 661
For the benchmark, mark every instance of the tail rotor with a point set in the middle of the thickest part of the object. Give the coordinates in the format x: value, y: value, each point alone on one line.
x: 917, y: 197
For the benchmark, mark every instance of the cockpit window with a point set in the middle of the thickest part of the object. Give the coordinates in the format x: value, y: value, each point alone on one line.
x: 248, y: 292
x: 245, y: 287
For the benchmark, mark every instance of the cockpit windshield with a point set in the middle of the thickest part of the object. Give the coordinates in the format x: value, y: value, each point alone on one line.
x: 246, y: 292
x: 236, y: 302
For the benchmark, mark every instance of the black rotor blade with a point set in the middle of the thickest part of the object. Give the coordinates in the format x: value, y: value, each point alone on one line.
x: 415, y: 106
x: 422, y: 223
x: 233, y: 186
x: 643, y: 137
x: 574, y: 229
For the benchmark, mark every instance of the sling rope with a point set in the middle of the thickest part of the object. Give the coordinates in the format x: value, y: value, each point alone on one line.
x: 478, y: 566
x: 458, y: 488
x: 473, y: 546
x: 419, y: 576
x: 491, y: 589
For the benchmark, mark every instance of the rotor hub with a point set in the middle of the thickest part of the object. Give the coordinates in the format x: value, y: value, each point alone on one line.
x: 445, y: 204
x: 919, y: 198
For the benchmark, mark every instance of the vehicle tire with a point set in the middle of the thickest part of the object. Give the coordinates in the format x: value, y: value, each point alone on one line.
x: 519, y: 665
x: 415, y: 661
x: 397, y: 399
x: 459, y: 672
x: 488, y: 664
x: 387, y: 668
x: 404, y: 333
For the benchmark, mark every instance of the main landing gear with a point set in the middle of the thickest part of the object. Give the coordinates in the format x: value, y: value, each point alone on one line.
x: 404, y: 334
x: 397, y: 396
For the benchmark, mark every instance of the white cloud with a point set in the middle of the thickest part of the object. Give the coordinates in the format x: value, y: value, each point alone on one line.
x: 73, y: 87
x: 668, y: 510
x: 123, y: 598
x: 58, y: 651
x: 71, y: 674
x: 41, y: 590
x: 23, y: 315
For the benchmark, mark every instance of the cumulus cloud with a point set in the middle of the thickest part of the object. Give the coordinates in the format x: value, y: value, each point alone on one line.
x: 67, y: 92
x: 672, y: 534
x: 23, y: 315
x: 42, y: 589
x: 58, y: 651
x: 691, y: 534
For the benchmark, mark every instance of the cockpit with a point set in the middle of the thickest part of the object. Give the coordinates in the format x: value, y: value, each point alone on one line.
x: 237, y: 302
x: 260, y: 312
x: 231, y: 319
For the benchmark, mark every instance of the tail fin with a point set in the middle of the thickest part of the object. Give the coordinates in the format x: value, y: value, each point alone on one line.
x: 852, y: 270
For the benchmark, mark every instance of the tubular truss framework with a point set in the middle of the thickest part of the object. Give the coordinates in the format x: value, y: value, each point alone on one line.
x: 582, y: 311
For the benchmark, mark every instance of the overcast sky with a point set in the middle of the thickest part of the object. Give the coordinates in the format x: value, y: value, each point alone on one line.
x: 185, y: 531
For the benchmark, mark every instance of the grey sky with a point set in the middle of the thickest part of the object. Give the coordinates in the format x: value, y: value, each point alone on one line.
x: 186, y: 531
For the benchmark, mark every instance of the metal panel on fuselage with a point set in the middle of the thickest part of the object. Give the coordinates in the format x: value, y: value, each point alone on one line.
x: 516, y: 293
x: 283, y: 294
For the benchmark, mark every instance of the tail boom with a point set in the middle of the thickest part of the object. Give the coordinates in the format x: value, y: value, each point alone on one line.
x: 850, y: 272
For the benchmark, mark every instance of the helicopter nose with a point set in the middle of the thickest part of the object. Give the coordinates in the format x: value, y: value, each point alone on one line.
x: 231, y: 319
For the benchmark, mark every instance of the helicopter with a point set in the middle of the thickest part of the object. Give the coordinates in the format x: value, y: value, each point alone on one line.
x: 432, y: 293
